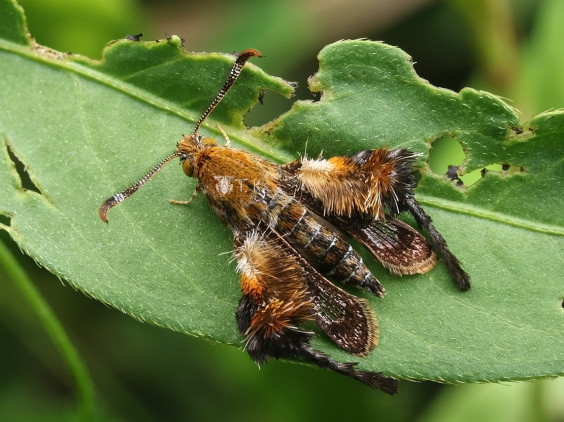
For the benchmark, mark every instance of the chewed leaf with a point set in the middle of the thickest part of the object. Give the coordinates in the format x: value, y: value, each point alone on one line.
x: 85, y: 130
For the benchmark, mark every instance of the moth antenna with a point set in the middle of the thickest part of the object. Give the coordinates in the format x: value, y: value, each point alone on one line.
x: 233, y: 75
x: 123, y: 195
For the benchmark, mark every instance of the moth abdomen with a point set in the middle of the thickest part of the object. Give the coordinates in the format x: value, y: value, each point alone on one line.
x: 322, y: 245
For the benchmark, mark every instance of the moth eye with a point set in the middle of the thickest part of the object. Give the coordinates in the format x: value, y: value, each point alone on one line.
x: 209, y: 142
x: 187, y: 165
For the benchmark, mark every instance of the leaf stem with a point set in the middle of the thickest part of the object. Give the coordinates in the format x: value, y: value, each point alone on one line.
x: 55, y: 330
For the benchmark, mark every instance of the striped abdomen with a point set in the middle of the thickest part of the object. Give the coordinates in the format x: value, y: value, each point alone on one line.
x: 320, y: 244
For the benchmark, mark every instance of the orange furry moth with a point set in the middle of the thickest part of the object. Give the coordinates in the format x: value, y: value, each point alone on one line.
x: 289, y: 239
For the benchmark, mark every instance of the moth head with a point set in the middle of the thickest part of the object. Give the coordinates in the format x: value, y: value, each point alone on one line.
x: 189, y: 147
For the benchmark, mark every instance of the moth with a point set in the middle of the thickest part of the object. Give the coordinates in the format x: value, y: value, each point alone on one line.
x: 290, y: 227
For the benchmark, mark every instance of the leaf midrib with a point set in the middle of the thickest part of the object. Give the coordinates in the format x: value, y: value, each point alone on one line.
x: 461, y: 208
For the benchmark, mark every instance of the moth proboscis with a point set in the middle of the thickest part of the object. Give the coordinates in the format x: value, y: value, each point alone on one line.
x: 289, y: 224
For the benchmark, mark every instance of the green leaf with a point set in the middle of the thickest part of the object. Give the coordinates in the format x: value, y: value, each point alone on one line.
x: 85, y: 130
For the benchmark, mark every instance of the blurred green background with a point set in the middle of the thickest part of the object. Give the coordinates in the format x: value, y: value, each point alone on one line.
x: 144, y: 373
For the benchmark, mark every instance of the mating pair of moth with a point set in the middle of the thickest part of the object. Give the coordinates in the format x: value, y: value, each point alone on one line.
x: 289, y: 240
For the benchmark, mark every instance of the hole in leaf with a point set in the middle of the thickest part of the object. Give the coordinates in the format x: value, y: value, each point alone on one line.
x: 269, y: 106
x: 25, y: 179
x: 446, y: 156
x: 505, y: 169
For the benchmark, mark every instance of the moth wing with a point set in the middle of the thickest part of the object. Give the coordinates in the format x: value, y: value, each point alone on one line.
x: 281, y: 289
x: 365, y: 184
x: 398, y: 246
x: 346, y: 319
x: 271, y: 278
